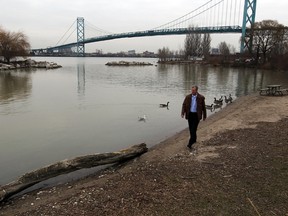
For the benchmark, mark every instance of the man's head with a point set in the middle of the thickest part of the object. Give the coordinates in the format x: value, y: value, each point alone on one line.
x: 194, y: 90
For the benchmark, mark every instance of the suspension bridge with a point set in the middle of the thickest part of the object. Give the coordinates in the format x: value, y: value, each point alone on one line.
x: 214, y: 17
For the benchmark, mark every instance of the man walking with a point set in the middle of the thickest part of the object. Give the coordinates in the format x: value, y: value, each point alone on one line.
x: 193, y: 109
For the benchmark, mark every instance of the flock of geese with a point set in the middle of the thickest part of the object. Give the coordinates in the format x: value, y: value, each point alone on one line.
x: 217, y: 104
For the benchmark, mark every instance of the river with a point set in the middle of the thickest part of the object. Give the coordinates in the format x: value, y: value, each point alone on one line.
x: 87, y: 107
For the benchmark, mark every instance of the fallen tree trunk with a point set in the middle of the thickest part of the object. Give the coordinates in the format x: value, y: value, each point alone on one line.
x: 65, y: 166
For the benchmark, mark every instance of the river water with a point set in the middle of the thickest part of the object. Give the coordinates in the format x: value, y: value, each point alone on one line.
x: 87, y: 107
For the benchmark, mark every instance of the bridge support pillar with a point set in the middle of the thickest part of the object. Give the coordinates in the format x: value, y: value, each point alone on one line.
x: 248, y: 19
x: 80, y: 37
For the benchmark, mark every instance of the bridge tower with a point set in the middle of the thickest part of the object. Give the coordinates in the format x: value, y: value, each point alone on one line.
x: 80, y: 36
x: 248, y: 19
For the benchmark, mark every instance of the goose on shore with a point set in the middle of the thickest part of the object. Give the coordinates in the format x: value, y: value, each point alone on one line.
x: 218, y: 106
x: 220, y: 101
x: 229, y: 99
x: 164, y: 105
x: 210, y: 107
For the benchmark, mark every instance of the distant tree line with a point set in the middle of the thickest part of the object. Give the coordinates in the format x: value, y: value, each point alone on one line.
x: 165, y: 54
x: 13, y: 44
x: 269, y: 46
x: 195, y: 46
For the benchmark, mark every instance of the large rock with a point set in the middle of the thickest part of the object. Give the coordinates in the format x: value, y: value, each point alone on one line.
x: 29, y: 63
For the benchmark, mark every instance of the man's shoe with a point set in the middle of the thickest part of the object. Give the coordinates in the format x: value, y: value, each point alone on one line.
x: 189, y: 146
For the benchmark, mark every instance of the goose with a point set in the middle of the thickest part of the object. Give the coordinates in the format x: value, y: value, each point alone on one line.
x: 220, y: 101
x: 143, y: 118
x: 210, y: 107
x: 164, y: 105
x: 229, y: 99
x: 217, y: 106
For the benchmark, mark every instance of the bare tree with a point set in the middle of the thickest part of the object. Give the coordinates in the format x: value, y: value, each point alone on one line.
x: 13, y: 44
x: 206, y: 44
x: 268, y: 37
x: 192, y: 45
x: 164, y: 54
x: 181, y: 54
x: 224, y: 50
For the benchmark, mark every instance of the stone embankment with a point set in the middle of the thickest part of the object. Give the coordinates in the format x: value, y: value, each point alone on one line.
x: 29, y: 64
x: 126, y: 63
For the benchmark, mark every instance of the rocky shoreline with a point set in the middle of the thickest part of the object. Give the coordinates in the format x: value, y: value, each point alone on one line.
x: 126, y: 63
x: 29, y: 63
x: 238, y: 167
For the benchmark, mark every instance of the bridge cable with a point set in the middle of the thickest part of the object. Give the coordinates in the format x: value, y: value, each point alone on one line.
x: 218, y: 18
x: 210, y: 18
x: 204, y: 11
x: 65, y: 33
x: 230, y: 14
x: 182, y: 16
x: 69, y: 36
x: 235, y: 11
x: 226, y: 13
x: 210, y: 7
x: 231, y: 9
x: 222, y: 12
x: 239, y: 17
x: 88, y: 24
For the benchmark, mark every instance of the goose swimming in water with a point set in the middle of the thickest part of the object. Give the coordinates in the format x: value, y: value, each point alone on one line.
x: 143, y: 118
x: 164, y: 105
x: 210, y: 107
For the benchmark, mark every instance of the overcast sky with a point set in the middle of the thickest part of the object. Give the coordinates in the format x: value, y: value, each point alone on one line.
x: 45, y: 21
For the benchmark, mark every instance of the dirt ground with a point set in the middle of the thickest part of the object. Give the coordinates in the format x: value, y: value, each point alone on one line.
x: 239, y: 166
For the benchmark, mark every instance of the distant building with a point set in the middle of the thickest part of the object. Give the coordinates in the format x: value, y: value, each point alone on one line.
x: 131, y: 52
x: 99, y: 52
x: 148, y: 54
x: 215, y: 51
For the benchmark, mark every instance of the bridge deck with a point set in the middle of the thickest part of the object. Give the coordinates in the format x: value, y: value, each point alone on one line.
x: 158, y: 32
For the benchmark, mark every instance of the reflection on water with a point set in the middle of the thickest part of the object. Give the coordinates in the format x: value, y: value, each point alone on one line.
x: 87, y: 107
x: 14, y: 86
x: 81, y: 79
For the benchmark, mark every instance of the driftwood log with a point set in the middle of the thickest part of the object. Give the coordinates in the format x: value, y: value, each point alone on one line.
x: 69, y: 165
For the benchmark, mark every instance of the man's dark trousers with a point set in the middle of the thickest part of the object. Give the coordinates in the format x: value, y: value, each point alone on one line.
x: 193, y: 122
